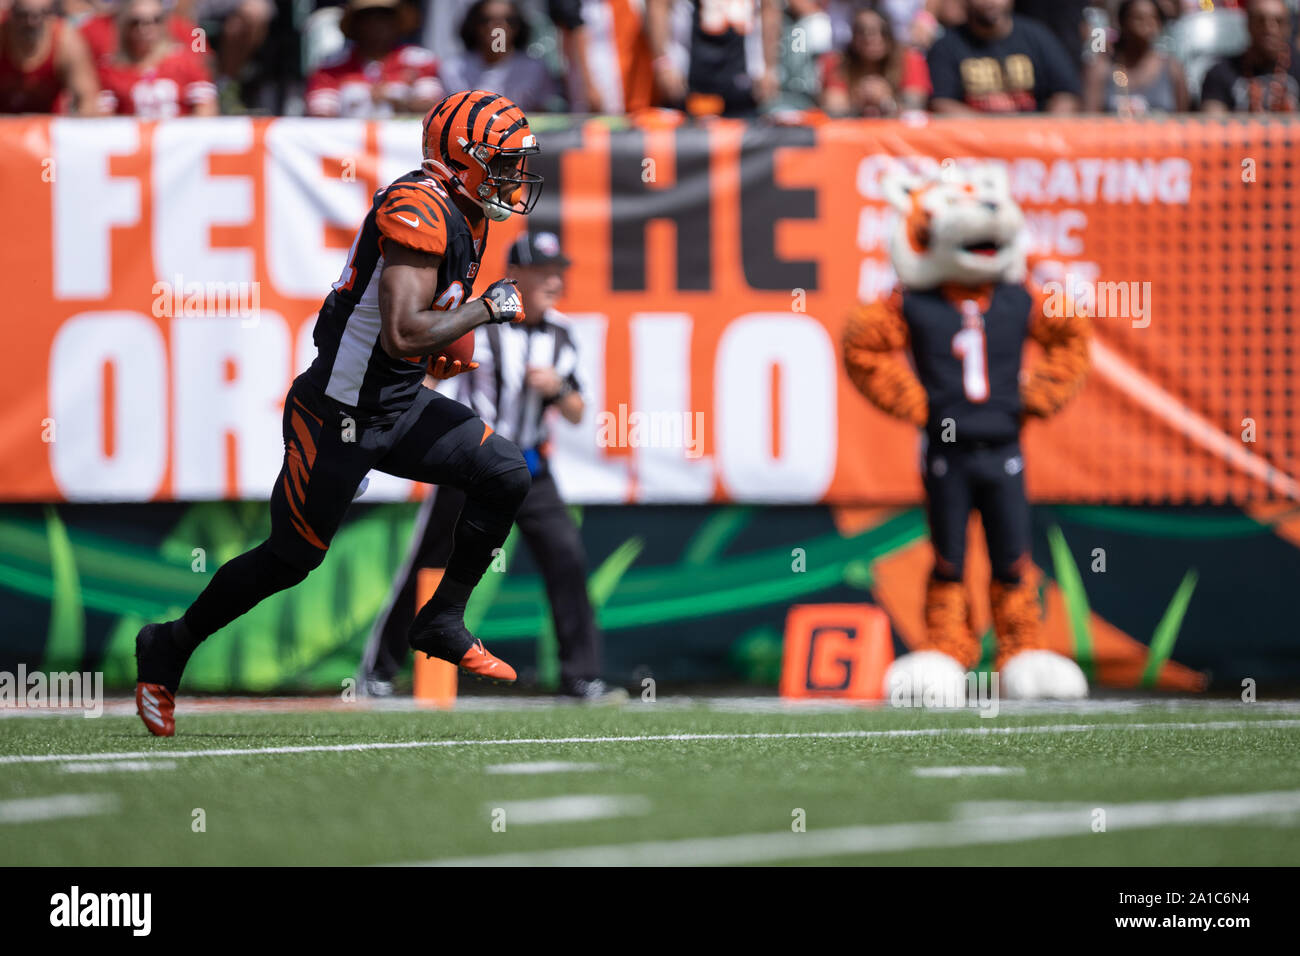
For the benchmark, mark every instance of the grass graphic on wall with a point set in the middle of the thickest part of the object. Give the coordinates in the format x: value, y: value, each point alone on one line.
x: 310, y: 638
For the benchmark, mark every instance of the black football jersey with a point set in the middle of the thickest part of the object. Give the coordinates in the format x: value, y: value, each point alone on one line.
x: 351, y: 365
x: 967, y: 351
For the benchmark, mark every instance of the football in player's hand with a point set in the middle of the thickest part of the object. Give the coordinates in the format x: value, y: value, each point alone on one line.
x: 462, y: 350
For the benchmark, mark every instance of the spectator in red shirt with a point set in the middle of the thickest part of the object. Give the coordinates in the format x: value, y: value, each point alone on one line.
x: 151, y: 75
x: 875, y: 75
x: 376, y: 75
x: 44, y: 65
x: 100, y: 32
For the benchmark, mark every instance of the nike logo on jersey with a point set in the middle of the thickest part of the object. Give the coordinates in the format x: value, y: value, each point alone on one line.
x: 413, y: 223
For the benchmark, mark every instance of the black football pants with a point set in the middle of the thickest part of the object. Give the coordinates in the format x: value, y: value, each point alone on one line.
x: 988, y: 477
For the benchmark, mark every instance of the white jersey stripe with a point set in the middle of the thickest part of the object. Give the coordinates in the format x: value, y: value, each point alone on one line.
x: 357, y: 344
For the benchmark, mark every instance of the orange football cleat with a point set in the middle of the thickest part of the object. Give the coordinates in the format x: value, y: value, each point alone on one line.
x: 157, y: 708
x: 480, y: 661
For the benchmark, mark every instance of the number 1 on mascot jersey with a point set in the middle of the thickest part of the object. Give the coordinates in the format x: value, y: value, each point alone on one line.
x: 970, y: 346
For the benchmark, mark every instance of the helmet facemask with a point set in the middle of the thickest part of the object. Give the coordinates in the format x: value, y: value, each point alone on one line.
x: 507, y: 186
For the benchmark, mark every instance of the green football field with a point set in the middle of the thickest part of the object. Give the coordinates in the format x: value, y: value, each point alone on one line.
x: 703, y: 782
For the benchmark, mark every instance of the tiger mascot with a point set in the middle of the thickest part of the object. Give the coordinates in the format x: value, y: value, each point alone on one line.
x: 961, y: 312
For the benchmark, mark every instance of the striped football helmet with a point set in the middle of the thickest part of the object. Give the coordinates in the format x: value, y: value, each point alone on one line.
x: 477, y: 143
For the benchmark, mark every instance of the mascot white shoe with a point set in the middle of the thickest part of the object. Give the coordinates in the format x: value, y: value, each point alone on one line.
x: 1034, y: 675
x: 925, y: 679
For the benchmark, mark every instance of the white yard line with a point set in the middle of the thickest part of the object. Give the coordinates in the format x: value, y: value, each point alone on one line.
x: 56, y: 807
x: 541, y: 766
x: 118, y: 766
x: 1286, y: 724
x: 570, y: 809
x: 1279, y: 807
x: 967, y: 771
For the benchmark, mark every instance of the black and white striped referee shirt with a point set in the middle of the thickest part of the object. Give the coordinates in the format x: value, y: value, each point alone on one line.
x: 497, y: 390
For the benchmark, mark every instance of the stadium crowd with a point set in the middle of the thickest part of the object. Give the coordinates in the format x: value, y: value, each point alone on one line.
x: 785, y: 59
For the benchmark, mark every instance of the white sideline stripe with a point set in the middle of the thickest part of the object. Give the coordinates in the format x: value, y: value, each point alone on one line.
x: 570, y: 809
x: 118, y: 766
x: 56, y: 807
x: 1274, y: 807
x: 634, y: 709
x: 644, y: 738
x: 967, y: 771
x: 542, y: 766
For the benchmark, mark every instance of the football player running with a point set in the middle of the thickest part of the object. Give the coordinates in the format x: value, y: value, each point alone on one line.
x: 404, y: 295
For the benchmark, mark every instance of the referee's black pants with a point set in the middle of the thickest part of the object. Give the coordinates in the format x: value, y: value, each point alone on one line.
x: 556, y: 546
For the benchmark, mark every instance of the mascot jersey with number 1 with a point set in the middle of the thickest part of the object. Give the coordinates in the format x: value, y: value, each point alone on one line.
x: 943, y: 352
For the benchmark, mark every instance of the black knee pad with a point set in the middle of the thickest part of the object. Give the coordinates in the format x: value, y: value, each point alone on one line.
x: 507, y: 479
x: 510, y: 488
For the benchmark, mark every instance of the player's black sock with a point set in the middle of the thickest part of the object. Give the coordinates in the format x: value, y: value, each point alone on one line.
x: 238, y: 586
x: 480, y: 531
x: 183, y: 638
x: 451, y: 597
x: 484, y: 522
x: 439, y: 629
x: 158, y: 658
x: 474, y: 540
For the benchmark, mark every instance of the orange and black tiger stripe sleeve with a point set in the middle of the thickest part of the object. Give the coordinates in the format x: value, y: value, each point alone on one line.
x: 414, y: 215
x: 873, y: 338
x: 1060, y: 371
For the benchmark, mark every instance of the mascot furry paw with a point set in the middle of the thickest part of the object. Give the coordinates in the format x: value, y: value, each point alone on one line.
x: 943, y: 352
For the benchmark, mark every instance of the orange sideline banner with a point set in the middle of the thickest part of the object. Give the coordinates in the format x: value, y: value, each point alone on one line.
x: 164, y: 278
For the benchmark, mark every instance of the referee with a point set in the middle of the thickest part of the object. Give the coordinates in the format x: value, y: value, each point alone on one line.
x: 524, y: 370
